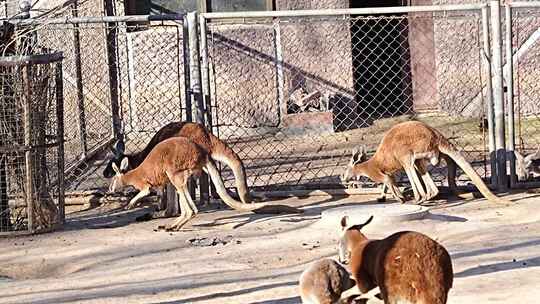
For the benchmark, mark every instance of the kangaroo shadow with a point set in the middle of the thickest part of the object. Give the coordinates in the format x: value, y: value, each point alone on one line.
x: 497, y: 267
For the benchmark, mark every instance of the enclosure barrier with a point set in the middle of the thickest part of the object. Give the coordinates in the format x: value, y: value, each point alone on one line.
x: 31, y: 143
x: 294, y: 91
x: 522, y: 49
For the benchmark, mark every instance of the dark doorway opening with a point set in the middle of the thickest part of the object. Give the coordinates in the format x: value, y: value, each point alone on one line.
x: 381, y: 62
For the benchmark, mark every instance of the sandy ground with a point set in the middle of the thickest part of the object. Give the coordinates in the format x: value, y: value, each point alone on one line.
x: 104, y: 256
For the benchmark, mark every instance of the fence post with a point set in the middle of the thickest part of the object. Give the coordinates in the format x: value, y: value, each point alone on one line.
x: 28, y: 154
x: 110, y: 40
x: 510, y: 95
x: 205, y: 78
x: 78, y: 75
x: 60, y: 139
x: 196, y: 89
x: 489, y: 94
x: 26, y: 97
x: 498, y: 98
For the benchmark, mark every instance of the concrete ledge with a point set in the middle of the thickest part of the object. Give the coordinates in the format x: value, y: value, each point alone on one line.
x: 382, y: 213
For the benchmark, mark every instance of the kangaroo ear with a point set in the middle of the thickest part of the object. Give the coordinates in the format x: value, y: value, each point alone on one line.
x: 368, y: 221
x: 363, y: 153
x: 124, y: 164
x: 115, y: 168
x: 344, y: 222
x: 354, y: 156
x: 518, y: 155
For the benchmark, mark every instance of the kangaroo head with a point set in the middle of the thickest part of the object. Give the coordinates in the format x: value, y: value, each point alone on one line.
x: 118, y: 154
x: 350, y: 236
x: 117, y: 182
x: 354, y: 168
x: 524, y: 165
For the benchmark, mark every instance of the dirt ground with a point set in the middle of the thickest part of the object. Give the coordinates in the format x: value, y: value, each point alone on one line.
x: 105, y: 256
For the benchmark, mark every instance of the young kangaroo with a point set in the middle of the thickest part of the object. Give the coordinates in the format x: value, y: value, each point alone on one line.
x: 176, y: 160
x: 402, y: 147
x: 408, y: 267
x: 323, y: 282
x: 213, y: 146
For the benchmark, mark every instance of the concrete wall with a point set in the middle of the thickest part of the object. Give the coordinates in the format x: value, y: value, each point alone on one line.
x: 316, y: 55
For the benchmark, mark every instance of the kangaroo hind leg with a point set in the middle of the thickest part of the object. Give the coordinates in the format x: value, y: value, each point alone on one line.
x: 179, y: 180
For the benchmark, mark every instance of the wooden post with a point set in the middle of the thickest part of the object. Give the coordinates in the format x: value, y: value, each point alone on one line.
x: 27, y: 125
x: 60, y: 140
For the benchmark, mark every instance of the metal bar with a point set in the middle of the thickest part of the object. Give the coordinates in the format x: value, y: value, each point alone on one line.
x: 489, y: 95
x: 351, y: 11
x: 205, y: 78
x: 132, y: 85
x: 60, y: 139
x: 29, y: 168
x: 103, y: 19
x: 110, y: 40
x: 11, y: 61
x: 523, y: 4
x: 205, y: 72
x: 187, y: 76
x: 187, y: 87
x: 280, y: 80
x: 79, y: 83
x: 196, y: 90
x: 498, y: 98
x: 509, y: 67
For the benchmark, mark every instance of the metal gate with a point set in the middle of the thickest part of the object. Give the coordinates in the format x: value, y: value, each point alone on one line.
x: 293, y: 92
x: 522, y: 50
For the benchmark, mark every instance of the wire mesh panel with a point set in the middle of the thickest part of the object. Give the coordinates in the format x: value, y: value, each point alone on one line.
x: 31, y: 146
x: 294, y: 95
x: 121, y: 81
x: 526, y: 54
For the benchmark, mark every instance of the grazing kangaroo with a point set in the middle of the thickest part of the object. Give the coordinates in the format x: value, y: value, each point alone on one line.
x: 213, y: 146
x: 407, y: 146
x: 323, y: 282
x: 176, y: 160
x: 408, y: 267
x: 527, y: 166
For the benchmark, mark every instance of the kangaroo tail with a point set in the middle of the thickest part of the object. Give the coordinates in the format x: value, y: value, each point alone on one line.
x: 223, y: 153
x: 264, y: 208
x: 450, y: 151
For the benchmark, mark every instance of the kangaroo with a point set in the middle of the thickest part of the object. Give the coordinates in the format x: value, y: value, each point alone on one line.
x: 323, y: 282
x: 175, y: 160
x: 213, y: 146
x: 407, y: 266
x: 401, y: 148
x: 527, y: 166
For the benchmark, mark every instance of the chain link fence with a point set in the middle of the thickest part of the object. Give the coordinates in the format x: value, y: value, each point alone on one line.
x: 122, y: 81
x: 31, y: 133
x: 526, y: 53
x: 294, y: 95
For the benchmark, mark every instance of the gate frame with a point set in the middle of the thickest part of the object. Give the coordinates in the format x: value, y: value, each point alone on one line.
x: 511, y: 58
x: 492, y: 62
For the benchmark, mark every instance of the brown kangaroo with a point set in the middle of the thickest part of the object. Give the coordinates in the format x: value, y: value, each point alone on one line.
x: 408, y: 267
x: 175, y: 160
x: 323, y: 282
x: 407, y: 146
x: 214, y: 147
